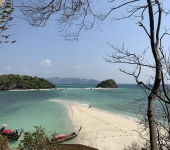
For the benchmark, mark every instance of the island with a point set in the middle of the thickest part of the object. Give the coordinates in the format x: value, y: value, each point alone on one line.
x: 20, y: 82
x: 109, y: 83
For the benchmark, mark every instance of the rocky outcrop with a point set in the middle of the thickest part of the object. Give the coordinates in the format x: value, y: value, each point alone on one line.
x: 110, y: 83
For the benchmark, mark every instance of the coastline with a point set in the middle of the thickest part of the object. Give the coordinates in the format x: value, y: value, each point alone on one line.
x: 59, y: 89
x: 17, y: 90
x: 102, y: 130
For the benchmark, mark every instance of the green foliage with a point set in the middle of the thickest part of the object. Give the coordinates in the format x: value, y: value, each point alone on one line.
x: 4, y: 143
x: 37, y: 140
x: 110, y: 83
x: 11, y: 81
x: 6, y: 10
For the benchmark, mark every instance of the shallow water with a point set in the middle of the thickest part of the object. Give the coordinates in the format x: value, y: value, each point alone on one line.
x: 32, y: 108
x: 25, y: 109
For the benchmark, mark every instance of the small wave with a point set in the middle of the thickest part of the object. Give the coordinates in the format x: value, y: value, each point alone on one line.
x: 85, y: 104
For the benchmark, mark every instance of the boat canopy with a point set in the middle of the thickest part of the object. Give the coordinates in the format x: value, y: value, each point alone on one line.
x: 7, y: 131
x: 60, y: 136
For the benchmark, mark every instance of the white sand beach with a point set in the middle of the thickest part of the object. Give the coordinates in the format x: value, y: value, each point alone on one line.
x: 102, y: 130
x: 19, y: 90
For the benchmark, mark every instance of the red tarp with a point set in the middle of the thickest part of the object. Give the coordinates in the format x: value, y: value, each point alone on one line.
x: 60, y: 136
x: 7, y: 131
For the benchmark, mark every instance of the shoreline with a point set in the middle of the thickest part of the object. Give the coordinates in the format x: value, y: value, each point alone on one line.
x: 16, y: 90
x: 100, y: 129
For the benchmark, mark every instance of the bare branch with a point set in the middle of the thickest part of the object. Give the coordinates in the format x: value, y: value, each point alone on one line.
x: 140, y: 24
x: 159, y: 22
x: 117, y: 7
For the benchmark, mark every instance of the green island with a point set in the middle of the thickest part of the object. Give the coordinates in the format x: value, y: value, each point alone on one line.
x: 20, y: 82
x: 109, y: 83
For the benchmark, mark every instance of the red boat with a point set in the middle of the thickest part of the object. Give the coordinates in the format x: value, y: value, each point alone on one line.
x: 64, y: 137
x: 10, y: 134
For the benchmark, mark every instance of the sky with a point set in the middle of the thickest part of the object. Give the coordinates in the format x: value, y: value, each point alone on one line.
x: 42, y: 52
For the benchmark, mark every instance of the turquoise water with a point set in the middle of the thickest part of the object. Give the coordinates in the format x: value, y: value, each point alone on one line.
x: 120, y: 101
x: 25, y: 109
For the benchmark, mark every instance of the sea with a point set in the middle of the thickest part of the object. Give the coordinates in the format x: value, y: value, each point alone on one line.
x: 26, y: 109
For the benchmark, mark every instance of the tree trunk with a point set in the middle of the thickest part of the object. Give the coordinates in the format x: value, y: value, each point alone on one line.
x: 158, y: 77
x: 151, y: 119
x: 151, y: 101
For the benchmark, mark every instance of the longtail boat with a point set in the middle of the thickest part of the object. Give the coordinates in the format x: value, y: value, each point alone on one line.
x: 64, y: 137
x: 10, y: 134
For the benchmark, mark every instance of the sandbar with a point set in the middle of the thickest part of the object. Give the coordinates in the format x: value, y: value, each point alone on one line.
x: 102, y: 130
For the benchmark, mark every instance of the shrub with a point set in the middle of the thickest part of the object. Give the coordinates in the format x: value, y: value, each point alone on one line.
x: 4, y: 143
x: 37, y: 140
x: 133, y: 146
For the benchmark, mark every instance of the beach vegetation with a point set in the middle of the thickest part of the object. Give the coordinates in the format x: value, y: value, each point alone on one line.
x: 162, y: 124
x: 110, y: 83
x: 39, y: 140
x: 36, y: 140
x: 11, y: 82
x: 134, y: 146
x: 4, y: 143
x: 149, y: 15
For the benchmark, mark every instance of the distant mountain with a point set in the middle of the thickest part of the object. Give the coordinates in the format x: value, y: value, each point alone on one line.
x: 57, y: 80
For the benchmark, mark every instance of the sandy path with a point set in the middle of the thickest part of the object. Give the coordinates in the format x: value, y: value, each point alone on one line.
x: 102, y: 130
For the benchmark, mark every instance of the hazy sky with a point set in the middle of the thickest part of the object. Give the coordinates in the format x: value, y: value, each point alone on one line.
x: 44, y: 53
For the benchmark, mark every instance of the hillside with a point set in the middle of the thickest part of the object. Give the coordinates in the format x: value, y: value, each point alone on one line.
x: 11, y: 82
x: 57, y: 80
x: 110, y: 83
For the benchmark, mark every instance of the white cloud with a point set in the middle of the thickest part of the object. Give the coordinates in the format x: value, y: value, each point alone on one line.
x: 46, y: 62
x: 8, y: 68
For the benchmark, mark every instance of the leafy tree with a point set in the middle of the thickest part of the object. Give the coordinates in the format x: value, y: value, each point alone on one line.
x: 76, y: 13
x: 6, y: 9
x: 11, y: 81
